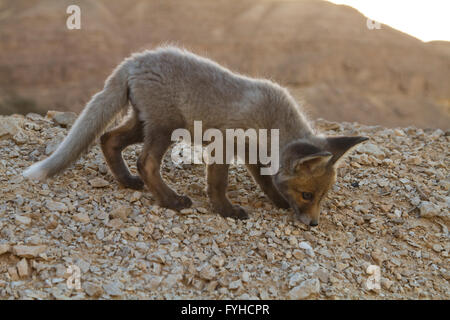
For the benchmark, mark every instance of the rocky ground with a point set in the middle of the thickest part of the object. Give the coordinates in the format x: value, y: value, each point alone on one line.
x: 389, y: 208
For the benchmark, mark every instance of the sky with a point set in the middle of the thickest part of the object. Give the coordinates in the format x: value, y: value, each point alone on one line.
x: 426, y: 20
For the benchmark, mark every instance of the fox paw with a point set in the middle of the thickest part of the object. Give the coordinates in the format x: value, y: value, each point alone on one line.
x: 133, y: 182
x: 178, y: 203
x: 234, y: 211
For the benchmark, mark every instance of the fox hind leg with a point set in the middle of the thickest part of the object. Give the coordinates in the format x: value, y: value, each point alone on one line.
x: 114, y: 142
x: 156, y: 142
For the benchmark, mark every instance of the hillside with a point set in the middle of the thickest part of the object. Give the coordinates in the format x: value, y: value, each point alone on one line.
x: 390, y: 208
x: 323, y: 52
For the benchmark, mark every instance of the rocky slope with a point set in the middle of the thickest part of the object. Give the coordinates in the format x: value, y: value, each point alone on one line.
x: 324, y: 52
x: 389, y: 208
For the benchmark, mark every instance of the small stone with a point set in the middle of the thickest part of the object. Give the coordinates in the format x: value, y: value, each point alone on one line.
x: 64, y: 119
x: 92, y: 289
x: 82, y: 217
x: 22, y: 219
x: 177, y: 230
x: 121, y: 212
x: 309, y: 250
x: 23, y: 269
x: 298, y: 254
x: 28, y: 251
x: 235, y: 284
x: 56, y: 206
x: 207, y: 272
x: 428, y: 209
x: 305, y: 289
x: 295, y: 279
x: 13, y: 273
x: 135, y: 196
x: 377, y: 256
x: 4, y: 248
x: 437, y: 247
x: 115, y: 223
x: 218, y: 261
x: 386, y: 283
x: 99, y: 183
x: 371, y: 149
x: 132, y: 231
x: 113, y: 288
x: 245, y: 276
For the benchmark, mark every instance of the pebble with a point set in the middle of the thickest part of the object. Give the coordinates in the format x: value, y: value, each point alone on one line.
x: 99, y: 183
x: 305, y: 289
x: 23, y: 269
x: 28, y: 251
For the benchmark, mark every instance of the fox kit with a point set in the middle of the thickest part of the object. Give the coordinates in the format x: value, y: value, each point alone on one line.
x: 170, y: 88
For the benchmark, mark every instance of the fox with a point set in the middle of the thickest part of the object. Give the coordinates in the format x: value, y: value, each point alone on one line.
x: 168, y: 88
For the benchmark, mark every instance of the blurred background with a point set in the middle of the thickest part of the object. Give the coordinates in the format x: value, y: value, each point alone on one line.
x: 322, y: 51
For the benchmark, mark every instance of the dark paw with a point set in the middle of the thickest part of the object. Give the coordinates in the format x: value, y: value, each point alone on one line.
x: 236, y: 212
x: 178, y: 203
x: 133, y: 182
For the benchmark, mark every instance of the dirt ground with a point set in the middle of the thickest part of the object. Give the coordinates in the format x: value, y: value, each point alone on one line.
x: 389, y: 208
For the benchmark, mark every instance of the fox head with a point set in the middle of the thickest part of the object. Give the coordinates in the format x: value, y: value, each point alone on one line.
x: 308, y: 171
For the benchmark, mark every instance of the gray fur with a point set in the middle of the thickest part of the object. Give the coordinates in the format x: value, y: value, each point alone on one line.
x: 173, y: 85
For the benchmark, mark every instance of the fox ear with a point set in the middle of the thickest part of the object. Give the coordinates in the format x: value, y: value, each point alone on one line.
x: 311, y: 162
x: 339, y: 146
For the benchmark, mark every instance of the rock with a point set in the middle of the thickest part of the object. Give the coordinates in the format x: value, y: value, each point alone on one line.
x: 121, y: 212
x: 305, y: 289
x: 99, y: 183
x: 207, y: 272
x: 92, y: 289
x: 12, y: 271
x: 428, y: 209
x: 64, y: 119
x: 295, y: 279
x: 56, y: 206
x: 298, y: 254
x: 4, y: 248
x: 10, y: 126
x: 132, y: 231
x: 28, y: 251
x: 245, y: 276
x: 218, y: 261
x: 309, y: 250
x: 235, y: 285
x: 113, y: 288
x: 386, y: 283
x: 372, y: 149
x: 82, y: 217
x: 23, y: 269
x: 22, y: 219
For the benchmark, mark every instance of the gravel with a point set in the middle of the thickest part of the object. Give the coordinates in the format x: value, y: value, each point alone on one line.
x: 389, y: 207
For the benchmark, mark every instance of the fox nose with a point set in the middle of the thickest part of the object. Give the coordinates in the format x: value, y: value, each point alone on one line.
x: 314, y: 223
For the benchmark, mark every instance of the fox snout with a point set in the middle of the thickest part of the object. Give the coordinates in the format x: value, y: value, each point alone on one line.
x: 311, y: 219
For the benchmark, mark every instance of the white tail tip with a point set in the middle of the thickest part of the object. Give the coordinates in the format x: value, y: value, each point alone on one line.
x: 35, y: 172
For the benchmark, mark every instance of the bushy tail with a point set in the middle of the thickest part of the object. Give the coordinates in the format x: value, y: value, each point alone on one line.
x: 94, y: 119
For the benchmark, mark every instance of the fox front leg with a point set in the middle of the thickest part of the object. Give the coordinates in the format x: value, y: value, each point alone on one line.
x: 217, y: 179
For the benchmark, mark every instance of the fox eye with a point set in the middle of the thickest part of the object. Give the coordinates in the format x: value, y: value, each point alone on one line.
x: 307, y: 196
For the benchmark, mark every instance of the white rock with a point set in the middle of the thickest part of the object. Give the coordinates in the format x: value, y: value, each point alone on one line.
x: 28, y: 251
x: 372, y: 149
x: 22, y: 219
x: 207, y: 272
x: 99, y: 183
x: 305, y: 289
x: 428, y: 209
x: 309, y: 250
x: 22, y: 268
